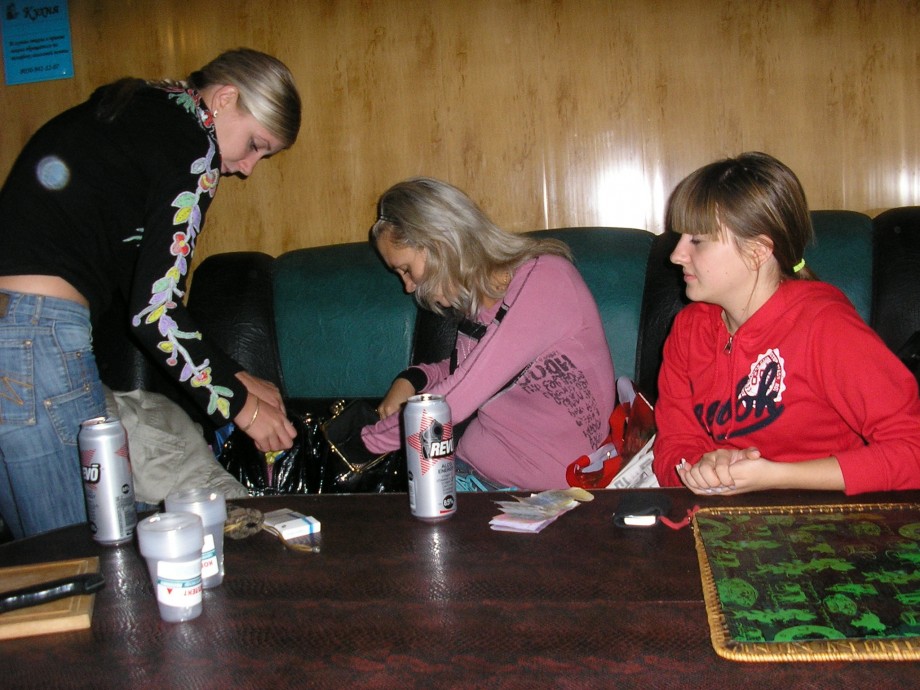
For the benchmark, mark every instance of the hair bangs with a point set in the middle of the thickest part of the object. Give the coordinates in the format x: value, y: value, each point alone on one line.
x: 694, y: 208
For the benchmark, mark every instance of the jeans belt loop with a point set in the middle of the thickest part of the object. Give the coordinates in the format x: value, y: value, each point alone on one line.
x: 37, y: 312
x: 4, y: 304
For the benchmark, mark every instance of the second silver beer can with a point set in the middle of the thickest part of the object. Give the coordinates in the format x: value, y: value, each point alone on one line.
x: 429, y: 445
x: 107, y: 481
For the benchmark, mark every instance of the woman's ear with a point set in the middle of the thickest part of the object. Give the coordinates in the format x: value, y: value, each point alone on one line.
x: 225, y: 97
x: 760, y: 249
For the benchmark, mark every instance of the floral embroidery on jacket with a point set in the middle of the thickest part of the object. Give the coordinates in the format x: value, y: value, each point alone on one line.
x: 165, y: 292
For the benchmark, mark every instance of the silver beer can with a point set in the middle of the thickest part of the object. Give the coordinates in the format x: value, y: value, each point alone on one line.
x: 107, y: 481
x: 429, y: 445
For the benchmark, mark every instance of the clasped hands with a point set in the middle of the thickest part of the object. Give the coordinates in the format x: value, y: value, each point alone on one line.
x: 724, y: 471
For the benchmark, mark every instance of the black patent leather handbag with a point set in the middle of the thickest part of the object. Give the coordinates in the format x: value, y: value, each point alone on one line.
x: 328, y: 455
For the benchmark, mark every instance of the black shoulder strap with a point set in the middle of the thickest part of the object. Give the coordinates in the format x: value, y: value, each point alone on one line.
x: 474, y: 330
x: 478, y: 330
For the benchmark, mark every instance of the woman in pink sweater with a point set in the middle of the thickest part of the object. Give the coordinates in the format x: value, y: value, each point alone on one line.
x: 771, y: 379
x: 531, y: 361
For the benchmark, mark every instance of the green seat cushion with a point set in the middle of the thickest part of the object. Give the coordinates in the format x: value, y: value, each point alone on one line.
x: 344, y: 324
x: 842, y: 255
x: 338, y: 305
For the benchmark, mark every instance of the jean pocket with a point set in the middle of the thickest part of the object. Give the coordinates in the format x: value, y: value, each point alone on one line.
x: 70, y: 384
x: 75, y: 347
x: 70, y: 410
x: 17, y: 388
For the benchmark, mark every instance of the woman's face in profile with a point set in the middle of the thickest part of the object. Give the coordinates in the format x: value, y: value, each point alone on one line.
x: 406, y: 262
x: 713, y: 267
x: 242, y: 141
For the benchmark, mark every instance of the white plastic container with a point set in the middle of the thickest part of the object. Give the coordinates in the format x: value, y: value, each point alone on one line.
x: 171, y: 543
x: 211, y: 506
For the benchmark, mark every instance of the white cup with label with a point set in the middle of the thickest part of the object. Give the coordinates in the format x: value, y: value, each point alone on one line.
x: 211, y: 506
x: 171, y: 543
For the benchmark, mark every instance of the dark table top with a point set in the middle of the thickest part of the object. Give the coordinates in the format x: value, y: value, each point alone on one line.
x: 391, y: 601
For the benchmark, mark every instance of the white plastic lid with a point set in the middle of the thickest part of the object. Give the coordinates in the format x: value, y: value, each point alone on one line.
x: 209, y: 504
x: 170, y: 535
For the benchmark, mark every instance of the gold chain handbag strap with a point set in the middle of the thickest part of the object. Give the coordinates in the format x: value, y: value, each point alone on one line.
x: 337, y: 408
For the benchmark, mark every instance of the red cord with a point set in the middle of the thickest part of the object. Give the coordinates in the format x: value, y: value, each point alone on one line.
x: 681, y: 524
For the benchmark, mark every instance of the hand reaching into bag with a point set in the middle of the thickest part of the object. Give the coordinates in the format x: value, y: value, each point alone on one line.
x: 267, y: 426
x: 343, y: 432
x: 396, y: 397
x: 262, y: 389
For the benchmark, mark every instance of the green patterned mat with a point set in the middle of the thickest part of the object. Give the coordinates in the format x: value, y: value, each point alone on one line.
x: 838, y: 582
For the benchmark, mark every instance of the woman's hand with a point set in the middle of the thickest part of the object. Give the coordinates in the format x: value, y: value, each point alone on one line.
x: 716, y: 471
x: 396, y: 397
x: 262, y: 389
x: 730, y: 472
x: 265, y: 424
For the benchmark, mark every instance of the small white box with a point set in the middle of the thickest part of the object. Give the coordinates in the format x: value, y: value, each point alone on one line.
x: 291, y: 524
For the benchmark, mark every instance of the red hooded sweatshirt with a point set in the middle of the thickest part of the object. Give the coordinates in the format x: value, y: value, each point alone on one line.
x: 803, y: 378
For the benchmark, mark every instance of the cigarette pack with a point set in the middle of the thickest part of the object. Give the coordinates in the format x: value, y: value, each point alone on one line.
x: 290, y: 524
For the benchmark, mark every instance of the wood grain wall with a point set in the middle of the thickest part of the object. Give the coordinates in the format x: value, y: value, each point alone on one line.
x: 550, y: 113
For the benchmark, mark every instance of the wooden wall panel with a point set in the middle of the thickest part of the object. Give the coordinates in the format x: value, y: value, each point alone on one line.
x: 550, y: 113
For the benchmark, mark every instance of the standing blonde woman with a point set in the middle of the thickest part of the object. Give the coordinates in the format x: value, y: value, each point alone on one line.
x: 770, y: 379
x: 110, y: 196
x: 531, y: 361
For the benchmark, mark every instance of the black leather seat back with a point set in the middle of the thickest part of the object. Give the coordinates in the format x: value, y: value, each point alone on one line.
x: 896, y: 275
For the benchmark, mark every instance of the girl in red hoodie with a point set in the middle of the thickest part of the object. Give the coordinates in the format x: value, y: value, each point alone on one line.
x: 771, y: 379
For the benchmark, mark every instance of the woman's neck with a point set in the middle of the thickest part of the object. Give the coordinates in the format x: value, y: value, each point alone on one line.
x: 735, y: 315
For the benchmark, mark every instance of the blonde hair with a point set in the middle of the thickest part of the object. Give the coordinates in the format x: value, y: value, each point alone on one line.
x: 749, y: 196
x: 465, y: 251
x: 266, y: 89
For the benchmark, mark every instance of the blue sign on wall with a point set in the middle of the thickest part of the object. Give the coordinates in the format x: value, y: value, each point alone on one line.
x: 36, y: 40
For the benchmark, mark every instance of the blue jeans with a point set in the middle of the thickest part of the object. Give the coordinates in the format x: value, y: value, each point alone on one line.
x: 469, y: 480
x: 49, y: 384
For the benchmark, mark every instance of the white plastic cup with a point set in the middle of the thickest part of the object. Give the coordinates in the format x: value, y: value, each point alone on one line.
x: 211, y: 506
x: 171, y: 543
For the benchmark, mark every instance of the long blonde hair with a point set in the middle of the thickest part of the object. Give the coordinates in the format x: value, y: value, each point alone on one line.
x: 465, y: 251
